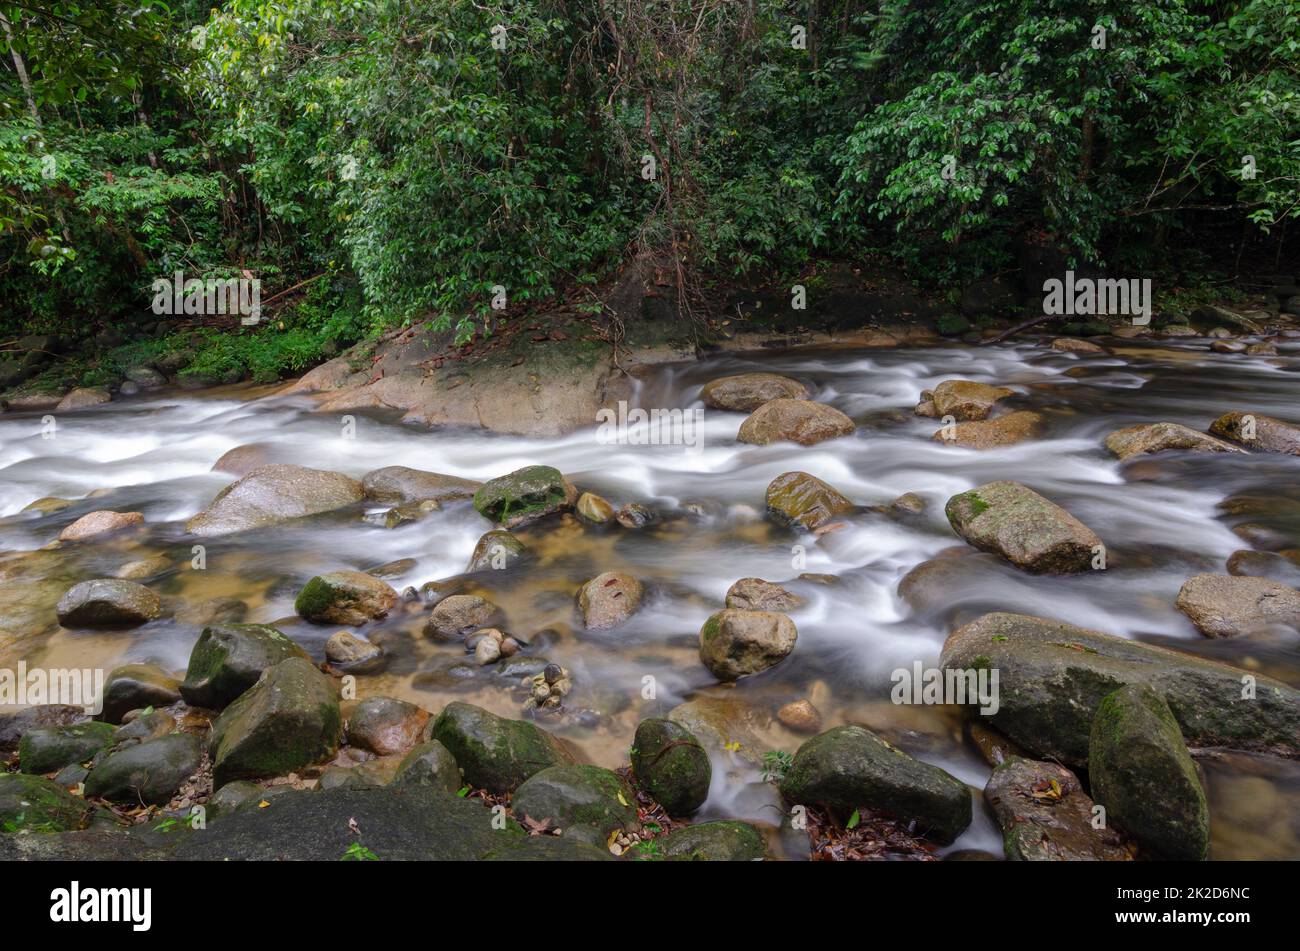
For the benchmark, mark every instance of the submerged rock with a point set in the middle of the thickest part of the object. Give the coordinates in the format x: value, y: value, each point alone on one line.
x: 592, y: 508
x: 1157, y: 437
x: 609, y: 599
x: 1008, y: 430
x: 848, y: 767
x: 524, y: 496
x: 966, y: 400
x: 399, y: 484
x: 345, y: 597
x: 797, y: 498
x: 1075, y: 345
x: 671, y: 765
x: 735, y: 644
x: 99, y: 524
x: 1255, y: 431
x: 800, y: 716
x: 755, y: 594
x: 789, y: 420
x: 228, y: 659
x: 272, y: 494
x: 461, y: 614
x: 495, y: 753
x: 1053, y: 676
x: 746, y: 392
x: 1046, y: 816
x: 108, y: 603
x: 1227, y: 605
x: 586, y: 803
x: 347, y: 650
x: 1031, y: 532
x: 1142, y: 774
x: 496, y: 550
x: 148, y: 772
x: 134, y: 687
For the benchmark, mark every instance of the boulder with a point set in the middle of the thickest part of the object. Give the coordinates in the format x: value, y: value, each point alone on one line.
x: 735, y: 644
x: 1227, y: 605
x: 1255, y: 431
x: 1142, y: 774
x: 592, y: 508
x: 99, y: 524
x: 1266, y: 564
x: 429, y: 764
x: 1075, y: 345
x: 30, y: 804
x: 345, y: 597
x: 1052, y: 677
x: 385, y: 726
x: 48, y: 504
x: 496, y: 550
x: 848, y: 767
x: 586, y: 803
x: 287, y: 720
x: 149, y: 772
x: 609, y: 599
x: 228, y: 659
x: 788, y: 420
x: 1008, y: 430
x: 755, y: 594
x: 800, y: 716
x: 1157, y: 437
x: 746, y: 392
x: 1031, y: 532
x: 671, y: 765
x: 241, y: 460
x: 82, y: 397
x: 524, y: 496
x: 108, y: 603
x: 48, y: 749
x: 135, y: 687
x: 495, y: 753
x: 347, y: 650
x: 398, y: 484
x: 272, y: 494
x: 461, y: 614
x: 721, y: 841
x: 1046, y: 816
x: 800, y: 499
x: 966, y: 400
x: 14, y: 726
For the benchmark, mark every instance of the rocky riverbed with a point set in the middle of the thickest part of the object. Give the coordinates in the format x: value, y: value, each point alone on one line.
x: 331, y: 631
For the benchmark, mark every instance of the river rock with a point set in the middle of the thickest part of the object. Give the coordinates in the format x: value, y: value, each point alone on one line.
x: 1266, y: 564
x: 429, y: 764
x: 287, y: 720
x: 409, y: 512
x: 495, y: 753
x: 800, y: 716
x: 609, y: 599
x: 1031, y: 532
x: 586, y: 803
x: 145, y: 726
x: 48, y: 749
x: 1157, y: 437
x: 385, y: 726
x: 735, y: 644
x: 143, y: 569
x: 461, y: 614
x: 592, y: 508
x: 272, y: 494
x: 47, y: 505
x: 755, y: 594
x: 228, y: 659
x: 1075, y: 345
x: 13, y: 726
x: 82, y: 397
x: 135, y: 687
x: 241, y: 460
x: 31, y: 804
x: 1046, y: 816
x: 746, y: 392
x: 720, y: 841
x: 797, y: 498
x: 634, y: 515
x: 1052, y: 677
x: 726, y: 725
x: 524, y: 496
x: 345, y: 597
x: 788, y: 420
x: 99, y: 524
x: 1142, y: 774
x: 1008, y: 430
x: 347, y: 650
x: 671, y: 765
x: 108, y: 603
x: 496, y: 550
x: 1255, y: 431
x: 149, y: 772
x: 848, y: 767
x: 395, y: 485
x: 965, y: 399
x: 1226, y: 605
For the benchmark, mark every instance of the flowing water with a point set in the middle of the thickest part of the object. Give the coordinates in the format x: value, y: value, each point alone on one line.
x: 1160, y: 518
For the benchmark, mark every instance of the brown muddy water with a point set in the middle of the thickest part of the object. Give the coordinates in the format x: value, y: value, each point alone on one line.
x: 1163, y: 518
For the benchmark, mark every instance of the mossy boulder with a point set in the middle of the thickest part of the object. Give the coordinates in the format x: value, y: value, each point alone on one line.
x: 430, y: 764
x: 273, y: 494
x: 496, y: 551
x: 107, y: 603
x: 135, y: 687
x: 289, y: 719
x: 609, y: 599
x: 803, y: 500
x: 847, y: 768
x: 49, y: 749
x: 1046, y: 816
x: 495, y: 753
x: 524, y: 496
x: 345, y: 597
x: 1053, y: 676
x: 735, y: 643
x: 1142, y: 773
x: 1033, y: 533
x: 228, y: 659
x: 149, y: 772
x: 32, y: 804
x: 671, y: 765
x: 587, y: 803
x: 800, y: 421
x: 746, y: 392
x: 720, y: 841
